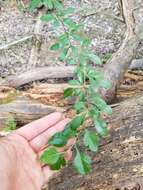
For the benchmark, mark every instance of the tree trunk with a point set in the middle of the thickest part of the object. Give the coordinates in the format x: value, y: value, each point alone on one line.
x: 119, y: 163
x: 114, y: 69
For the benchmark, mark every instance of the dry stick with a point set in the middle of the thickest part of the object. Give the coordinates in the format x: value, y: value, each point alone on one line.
x: 7, y: 46
x: 39, y: 74
x: 84, y: 16
x: 115, y: 68
x: 37, y: 42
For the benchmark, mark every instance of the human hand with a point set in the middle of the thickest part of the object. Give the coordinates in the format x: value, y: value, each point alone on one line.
x: 20, y: 168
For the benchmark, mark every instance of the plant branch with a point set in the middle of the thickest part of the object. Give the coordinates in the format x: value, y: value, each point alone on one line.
x: 16, y: 42
x: 37, y: 42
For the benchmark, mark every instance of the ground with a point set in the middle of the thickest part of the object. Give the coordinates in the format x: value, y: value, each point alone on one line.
x: 103, y: 23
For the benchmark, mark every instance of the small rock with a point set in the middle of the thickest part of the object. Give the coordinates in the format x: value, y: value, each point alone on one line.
x: 136, y: 64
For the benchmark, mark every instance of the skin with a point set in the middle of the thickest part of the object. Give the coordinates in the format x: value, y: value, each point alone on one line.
x: 20, y: 168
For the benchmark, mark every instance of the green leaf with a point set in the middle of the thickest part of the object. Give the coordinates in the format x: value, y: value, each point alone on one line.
x: 69, y: 22
x: 81, y: 96
x: 80, y: 76
x: 91, y: 140
x: 56, y: 23
x: 77, y: 122
x: 58, y: 5
x: 74, y: 51
x: 48, y: 4
x: 93, y: 83
x: 58, y: 140
x: 77, y: 37
x: 79, y: 106
x: 86, y: 42
x: 75, y: 28
x: 99, y: 102
x: 77, y: 91
x: 34, y: 4
x: 55, y: 46
x: 53, y: 158
x: 50, y: 156
x: 94, y: 58
x: 47, y: 18
x: 82, y: 163
x: 63, y: 55
x: 108, y: 110
x: 94, y: 73
x: 74, y: 82
x: 69, y: 10
x: 68, y: 132
x: 68, y: 92
x: 101, y: 127
x: 70, y: 61
x: 94, y: 112
x: 10, y: 124
x: 82, y: 59
x: 63, y: 41
x: 59, y: 164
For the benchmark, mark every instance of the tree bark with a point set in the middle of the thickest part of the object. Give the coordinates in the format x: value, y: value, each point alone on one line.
x: 119, y: 163
x: 24, y: 110
x: 38, y: 74
x: 45, y: 98
x: 114, y: 70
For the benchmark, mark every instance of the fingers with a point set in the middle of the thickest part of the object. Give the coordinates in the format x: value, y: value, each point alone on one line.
x: 68, y: 155
x: 39, y: 142
x: 35, y: 128
x: 47, y: 173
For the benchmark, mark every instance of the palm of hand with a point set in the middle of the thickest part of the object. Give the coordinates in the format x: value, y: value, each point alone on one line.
x: 23, y: 148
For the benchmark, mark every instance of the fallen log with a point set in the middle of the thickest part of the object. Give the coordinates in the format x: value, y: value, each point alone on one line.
x: 132, y: 85
x: 41, y: 73
x: 125, y: 91
x: 52, y: 95
x: 24, y: 110
x: 119, y: 163
x: 38, y: 74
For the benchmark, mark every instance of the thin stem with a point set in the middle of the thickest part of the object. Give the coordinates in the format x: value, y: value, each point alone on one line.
x: 65, y: 30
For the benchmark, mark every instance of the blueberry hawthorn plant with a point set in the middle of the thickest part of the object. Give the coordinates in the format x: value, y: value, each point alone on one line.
x: 74, y: 47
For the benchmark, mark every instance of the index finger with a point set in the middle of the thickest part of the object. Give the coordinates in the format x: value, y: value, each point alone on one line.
x: 35, y: 128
